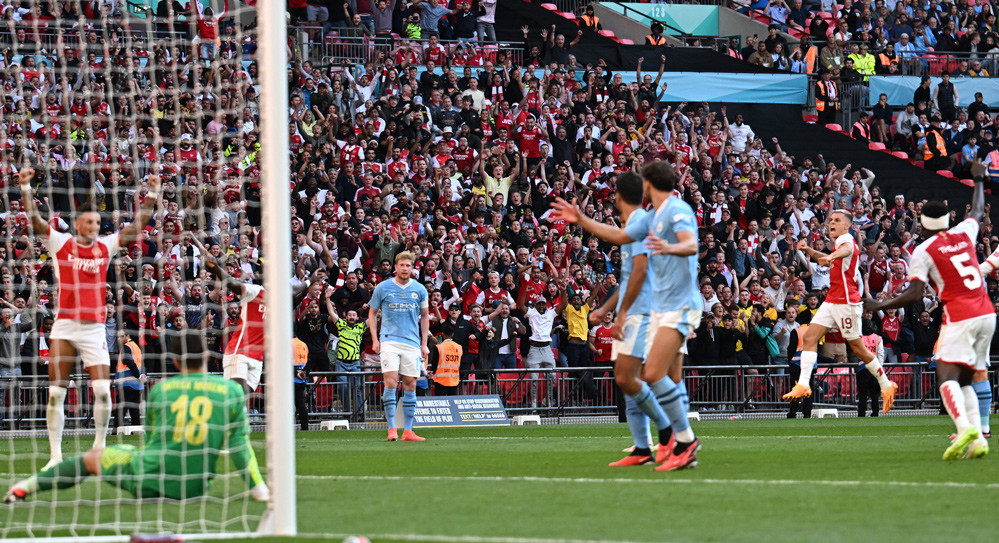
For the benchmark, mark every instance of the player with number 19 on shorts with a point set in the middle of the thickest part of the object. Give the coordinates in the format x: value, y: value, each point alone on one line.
x: 842, y: 309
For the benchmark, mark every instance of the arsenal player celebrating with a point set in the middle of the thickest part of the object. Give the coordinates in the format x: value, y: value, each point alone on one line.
x: 244, y: 354
x: 841, y: 309
x: 948, y: 261
x: 80, y: 264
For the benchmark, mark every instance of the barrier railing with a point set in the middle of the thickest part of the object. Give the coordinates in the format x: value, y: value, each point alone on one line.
x: 554, y: 393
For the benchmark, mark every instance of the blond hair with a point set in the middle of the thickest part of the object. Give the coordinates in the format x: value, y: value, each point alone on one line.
x: 405, y: 255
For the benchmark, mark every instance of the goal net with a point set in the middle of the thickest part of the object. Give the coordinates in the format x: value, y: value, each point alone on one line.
x: 100, y: 99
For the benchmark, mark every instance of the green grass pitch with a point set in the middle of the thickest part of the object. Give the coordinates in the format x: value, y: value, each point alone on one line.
x: 786, y: 480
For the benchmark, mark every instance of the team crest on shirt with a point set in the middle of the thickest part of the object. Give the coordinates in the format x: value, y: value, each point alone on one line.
x: 415, y: 295
x: 624, y: 255
x: 661, y: 227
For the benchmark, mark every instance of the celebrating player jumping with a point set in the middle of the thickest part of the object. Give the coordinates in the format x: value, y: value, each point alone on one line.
x: 947, y: 261
x: 81, y: 264
x: 841, y: 309
x: 670, y: 233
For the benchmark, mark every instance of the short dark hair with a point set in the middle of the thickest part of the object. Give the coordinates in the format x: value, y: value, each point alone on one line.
x: 446, y: 330
x: 89, y: 206
x: 660, y: 175
x: 188, y: 349
x: 935, y: 209
x: 629, y: 188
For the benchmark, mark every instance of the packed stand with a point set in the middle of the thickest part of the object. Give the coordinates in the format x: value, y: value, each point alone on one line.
x: 429, y: 150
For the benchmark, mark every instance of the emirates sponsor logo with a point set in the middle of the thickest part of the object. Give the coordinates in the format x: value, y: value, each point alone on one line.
x: 88, y: 265
x: 954, y: 248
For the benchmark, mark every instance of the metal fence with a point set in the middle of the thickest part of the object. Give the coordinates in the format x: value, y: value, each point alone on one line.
x: 559, y: 394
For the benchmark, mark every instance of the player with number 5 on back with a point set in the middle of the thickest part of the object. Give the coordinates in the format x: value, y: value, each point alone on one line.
x: 190, y: 418
x: 402, y: 340
x: 947, y: 260
x: 80, y: 263
x: 842, y: 309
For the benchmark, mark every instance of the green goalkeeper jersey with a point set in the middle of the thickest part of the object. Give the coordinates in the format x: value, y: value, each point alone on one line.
x: 190, y: 418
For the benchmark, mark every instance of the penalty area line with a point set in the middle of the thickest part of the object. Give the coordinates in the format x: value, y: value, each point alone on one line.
x: 664, y: 480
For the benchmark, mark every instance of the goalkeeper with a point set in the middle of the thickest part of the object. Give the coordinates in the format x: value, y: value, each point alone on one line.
x: 190, y: 418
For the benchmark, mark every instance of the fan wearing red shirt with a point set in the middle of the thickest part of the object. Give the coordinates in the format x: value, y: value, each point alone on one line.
x: 529, y: 140
x: 948, y: 261
x: 244, y: 354
x: 602, y: 340
x: 80, y: 265
x: 841, y: 309
x: 434, y: 52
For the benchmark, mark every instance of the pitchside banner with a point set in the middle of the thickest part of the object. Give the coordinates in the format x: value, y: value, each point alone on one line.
x: 450, y: 411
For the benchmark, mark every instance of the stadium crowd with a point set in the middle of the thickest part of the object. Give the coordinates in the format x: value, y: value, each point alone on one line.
x: 441, y: 150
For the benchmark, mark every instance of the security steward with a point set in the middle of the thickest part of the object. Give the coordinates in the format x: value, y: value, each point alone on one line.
x: 656, y: 37
x: 129, y: 379
x: 444, y: 363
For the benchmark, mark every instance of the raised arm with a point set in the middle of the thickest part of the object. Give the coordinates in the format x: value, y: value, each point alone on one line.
x: 571, y: 213
x: 38, y: 224
x: 220, y: 275
x: 131, y: 232
x: 980, y: 173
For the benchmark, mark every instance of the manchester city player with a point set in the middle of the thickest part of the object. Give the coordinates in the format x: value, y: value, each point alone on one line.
x: 670, y: 233
x: 401, y: 341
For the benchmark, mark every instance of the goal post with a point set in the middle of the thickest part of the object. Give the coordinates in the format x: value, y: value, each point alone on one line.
x: 276, y: 217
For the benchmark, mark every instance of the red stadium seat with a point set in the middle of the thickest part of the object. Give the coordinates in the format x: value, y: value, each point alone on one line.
x: 606, y: 33
x: 901, y: 154
x: 916, y: 163
x: 946, y: 173
x: 567, y: 15
x: 810, y: 118
x: 876, y: 146
x: 968, y: 182
x: 625, y: 41
x: 550, y: 7
x: 834, y: 127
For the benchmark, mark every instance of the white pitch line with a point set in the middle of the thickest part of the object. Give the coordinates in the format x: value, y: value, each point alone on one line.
x: 664, y: 480
x: 707, y: 437
x: 460, y: 539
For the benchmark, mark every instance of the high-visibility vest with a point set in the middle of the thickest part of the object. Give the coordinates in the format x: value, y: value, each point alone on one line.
x: 301, y: 353
x: 865, y: 130
x: 591, y: 22
x: 811, y: 57
x: 941, y: 147
x: 734, y: 53
x: 653, y: 40
x: 447, y: 364
x: 830, y: 86
x: 122, y: 374
x: 886, y: 60
x: 871, y: 341
x: 801, y: 335
x: 993, y: 166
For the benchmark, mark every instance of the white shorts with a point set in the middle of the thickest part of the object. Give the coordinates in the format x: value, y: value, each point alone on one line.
x: 405, y: 359
x: 89, y: 339
x: 684, y: 321
x: 843, y: 317
x: 636, y: 332
x: 238, y: 366
x: 967, y: 342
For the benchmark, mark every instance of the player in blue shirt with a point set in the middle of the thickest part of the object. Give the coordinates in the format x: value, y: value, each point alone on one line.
x: 401, y: 342
x: 670, y: 233
x: 631, y: 331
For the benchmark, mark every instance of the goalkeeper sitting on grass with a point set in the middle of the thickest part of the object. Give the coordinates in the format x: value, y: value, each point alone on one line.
x: 191, y: 417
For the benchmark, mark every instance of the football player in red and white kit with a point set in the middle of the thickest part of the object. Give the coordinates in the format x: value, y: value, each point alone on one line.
x: 80, y: 264
x: 841, y: 309
x: 947, y: 261
x: 244, y: 354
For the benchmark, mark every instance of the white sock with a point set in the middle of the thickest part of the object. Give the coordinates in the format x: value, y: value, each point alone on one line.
x: 102, y: 410
x: 685, y: 436
x: 954, y: 400
x: 55, y: 419
x: 808, y: 359
x: 971, y: 406
x: 877, y: 371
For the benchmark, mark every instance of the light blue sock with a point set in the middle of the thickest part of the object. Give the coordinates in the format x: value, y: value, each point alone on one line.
x: 683, y: 396
x: 646, y: 401
x: 409, y: 408
x: 668, y: 395
x: 388, y: 398
x: 638, y: 424
x: 984, y: 391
